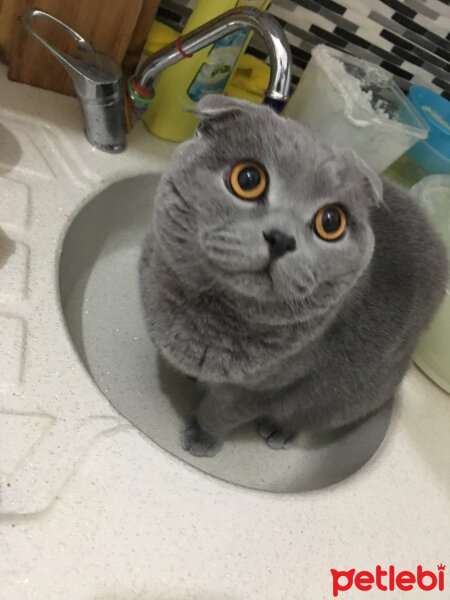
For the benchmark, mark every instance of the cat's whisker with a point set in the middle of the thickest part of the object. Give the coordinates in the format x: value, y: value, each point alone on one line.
x: 177, y: 223
x: 222, y: 248
x: 224, y: 236
x: 179, y: 196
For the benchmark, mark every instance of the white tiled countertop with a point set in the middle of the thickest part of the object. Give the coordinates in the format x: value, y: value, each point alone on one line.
x: 90, y: 509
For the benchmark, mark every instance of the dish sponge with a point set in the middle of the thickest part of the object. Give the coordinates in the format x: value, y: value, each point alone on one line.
x: 250, y: 80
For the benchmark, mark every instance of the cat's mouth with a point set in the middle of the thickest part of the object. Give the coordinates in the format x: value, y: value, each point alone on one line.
x: 264, y: 282
x: 261, y: 274
x: 266, y: 272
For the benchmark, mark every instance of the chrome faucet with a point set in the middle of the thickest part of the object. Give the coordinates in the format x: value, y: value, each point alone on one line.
x: 110, y: 109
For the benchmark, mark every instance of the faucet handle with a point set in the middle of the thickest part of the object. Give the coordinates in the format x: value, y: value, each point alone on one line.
x: 97, y: 79
x: 87, y: 62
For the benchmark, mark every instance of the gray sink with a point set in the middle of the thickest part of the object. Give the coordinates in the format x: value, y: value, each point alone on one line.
x: 101, y: 304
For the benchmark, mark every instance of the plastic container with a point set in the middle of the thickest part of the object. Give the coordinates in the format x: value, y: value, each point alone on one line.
x: 432, y: 154
x: 433, y: 351
x: 180, y: 86
x: 356, y: 104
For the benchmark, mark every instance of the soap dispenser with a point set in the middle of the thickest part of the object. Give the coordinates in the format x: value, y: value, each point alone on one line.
x: 207, y: 72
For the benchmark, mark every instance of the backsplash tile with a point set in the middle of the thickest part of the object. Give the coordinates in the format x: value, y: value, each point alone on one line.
x: 409, y: 38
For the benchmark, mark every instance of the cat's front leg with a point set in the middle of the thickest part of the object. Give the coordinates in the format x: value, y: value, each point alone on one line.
x: 277, y: 435
x: 221, y: 411
x: 281, y: 423
x: 199, y: 442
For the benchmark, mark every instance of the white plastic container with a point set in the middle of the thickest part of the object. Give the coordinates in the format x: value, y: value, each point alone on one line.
x: 354, y: 103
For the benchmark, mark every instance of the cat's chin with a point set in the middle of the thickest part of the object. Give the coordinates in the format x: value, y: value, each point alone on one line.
x: 256, y: 285
x: 272, y: 282
x: 260, y: 285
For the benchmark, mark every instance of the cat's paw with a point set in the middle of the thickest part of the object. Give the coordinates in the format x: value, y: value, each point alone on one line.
x: 275, y: 435
x: 199, y: 442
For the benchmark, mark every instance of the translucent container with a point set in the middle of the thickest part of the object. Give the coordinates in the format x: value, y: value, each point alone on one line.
x: 433, y: 352
x: 356, y: 104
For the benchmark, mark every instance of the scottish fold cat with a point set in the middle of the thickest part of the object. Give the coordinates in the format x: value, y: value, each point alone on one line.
x: 285, y: 275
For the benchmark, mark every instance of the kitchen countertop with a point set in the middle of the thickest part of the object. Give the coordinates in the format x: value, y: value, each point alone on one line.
x: 91, y: 509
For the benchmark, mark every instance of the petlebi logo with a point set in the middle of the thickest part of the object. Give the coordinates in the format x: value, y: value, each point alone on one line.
x: 389, y: 580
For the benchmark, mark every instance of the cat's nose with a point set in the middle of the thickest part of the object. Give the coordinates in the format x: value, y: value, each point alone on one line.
x: 279, y: 243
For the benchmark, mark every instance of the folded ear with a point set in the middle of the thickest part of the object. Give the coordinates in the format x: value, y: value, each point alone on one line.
x: 213, y: 106
x: 214, y: 110
x: 371, y: 178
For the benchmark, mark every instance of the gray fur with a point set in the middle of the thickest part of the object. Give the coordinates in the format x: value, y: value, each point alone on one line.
x: 315, y: 340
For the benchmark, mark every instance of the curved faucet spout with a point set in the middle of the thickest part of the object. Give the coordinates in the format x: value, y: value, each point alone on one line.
x: 232, y: 20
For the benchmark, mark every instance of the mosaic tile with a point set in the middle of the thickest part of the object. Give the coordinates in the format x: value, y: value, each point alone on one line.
x: 412, y: 36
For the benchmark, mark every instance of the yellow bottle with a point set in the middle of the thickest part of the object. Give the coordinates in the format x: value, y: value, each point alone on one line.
x: 180, y: 86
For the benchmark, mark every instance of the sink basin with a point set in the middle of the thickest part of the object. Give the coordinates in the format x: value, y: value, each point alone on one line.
x: 100, y: 300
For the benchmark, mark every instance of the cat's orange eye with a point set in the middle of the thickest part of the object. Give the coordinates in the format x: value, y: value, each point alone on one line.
x: 330, y: 222
x: 248, y: 180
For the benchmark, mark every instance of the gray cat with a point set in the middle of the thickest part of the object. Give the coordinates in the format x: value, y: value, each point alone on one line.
x: 285, y: 275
